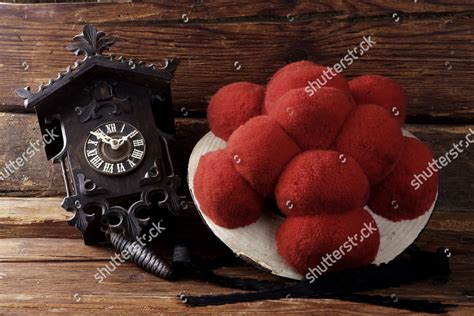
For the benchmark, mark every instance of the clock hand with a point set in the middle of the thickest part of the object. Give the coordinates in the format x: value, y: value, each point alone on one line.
x: 103, y: 137
x: 98, y: 135
x: 127, y: 136
x: 115, y: 143
x: 121, y: 141
x: 124, y: 139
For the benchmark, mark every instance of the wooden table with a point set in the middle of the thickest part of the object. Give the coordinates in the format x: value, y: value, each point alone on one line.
x: 427, y: 46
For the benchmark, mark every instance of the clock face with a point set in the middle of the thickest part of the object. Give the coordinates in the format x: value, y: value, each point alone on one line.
x: 114, y: 148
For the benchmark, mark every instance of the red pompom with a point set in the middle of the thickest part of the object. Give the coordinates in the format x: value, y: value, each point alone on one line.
x: 328, y: 242
x: 371, y: 136
x: 260, y: 149
x: 410, y: 190
x: 320, y: 181
x: 303, y: 74
x: 312, y: 122
x: 232, y: 106
x: 373, y: 89
x: 223, y: 195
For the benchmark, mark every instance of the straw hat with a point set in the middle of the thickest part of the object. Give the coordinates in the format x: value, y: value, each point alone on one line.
x: 295, y: 173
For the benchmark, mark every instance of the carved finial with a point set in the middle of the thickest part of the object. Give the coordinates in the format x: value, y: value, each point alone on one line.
x: 171, y: 65
x: 24, y: 93
x: 90, y: 42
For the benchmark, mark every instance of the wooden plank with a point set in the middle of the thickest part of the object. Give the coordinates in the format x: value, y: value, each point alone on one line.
x: 46, y: 250
x: 29, y: 218
x: 71, y: 288
x: 20, y: 211
x: 452, y: 230
x: 67, y: 286
x: 40, y: 178
x: 284, y: 307
x: 44, y: 218
x: 437, y: 74
x: 57, y: 274
x: 225, y: 9
x: 37, y: 176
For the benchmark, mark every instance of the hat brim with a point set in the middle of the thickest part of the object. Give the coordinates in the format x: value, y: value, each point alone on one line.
x: 256, y: 242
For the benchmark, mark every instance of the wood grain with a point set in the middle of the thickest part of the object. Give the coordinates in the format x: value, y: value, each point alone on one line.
x: 225, y: 9
x: 34, y: 273
x: 429, y: 53
x: 425, y: 45
x: 40, y: 178
x: 34, y: 218
x: 70, y: 285
x: 44, y: 218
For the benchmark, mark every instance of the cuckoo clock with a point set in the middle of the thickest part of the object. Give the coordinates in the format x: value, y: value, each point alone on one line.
x: 115, y: 120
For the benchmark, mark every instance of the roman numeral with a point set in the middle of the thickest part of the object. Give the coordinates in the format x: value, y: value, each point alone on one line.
x: 131, y: 163
x: 133, y: 133
x: 108, y: 167
x: 138, y: 142
x: 111, y: 128
x: 90, y: 141
x: 92, y: 152
x: 97, y: 162
x: 137, y: 154
x: 123, y: 127
x: 120, y: 167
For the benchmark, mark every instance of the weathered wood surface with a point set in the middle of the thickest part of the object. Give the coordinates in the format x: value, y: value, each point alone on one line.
x: 429, y: 50
x: 425, y: 45
x: 71, y: 287
x: 40, y: 178
x: 264, y: 9
x: 44, y: 218
x: 61, y: 272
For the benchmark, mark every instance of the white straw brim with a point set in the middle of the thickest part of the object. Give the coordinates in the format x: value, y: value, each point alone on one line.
x: 257, y: 241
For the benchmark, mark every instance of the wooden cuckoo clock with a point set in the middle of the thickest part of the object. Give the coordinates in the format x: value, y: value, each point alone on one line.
x: 115, y: 117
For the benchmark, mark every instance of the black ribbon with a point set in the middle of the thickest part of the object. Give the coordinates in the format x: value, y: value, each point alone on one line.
x: 412, y: 265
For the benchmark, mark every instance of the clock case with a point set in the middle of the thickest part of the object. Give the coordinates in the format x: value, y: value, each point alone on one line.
x: 100, y: 88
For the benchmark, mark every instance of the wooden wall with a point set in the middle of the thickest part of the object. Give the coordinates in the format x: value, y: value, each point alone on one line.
x: 427, y: 46
x: 427, y: 49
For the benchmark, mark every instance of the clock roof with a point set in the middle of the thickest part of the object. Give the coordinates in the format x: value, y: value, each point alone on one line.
x: 91, y: 43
